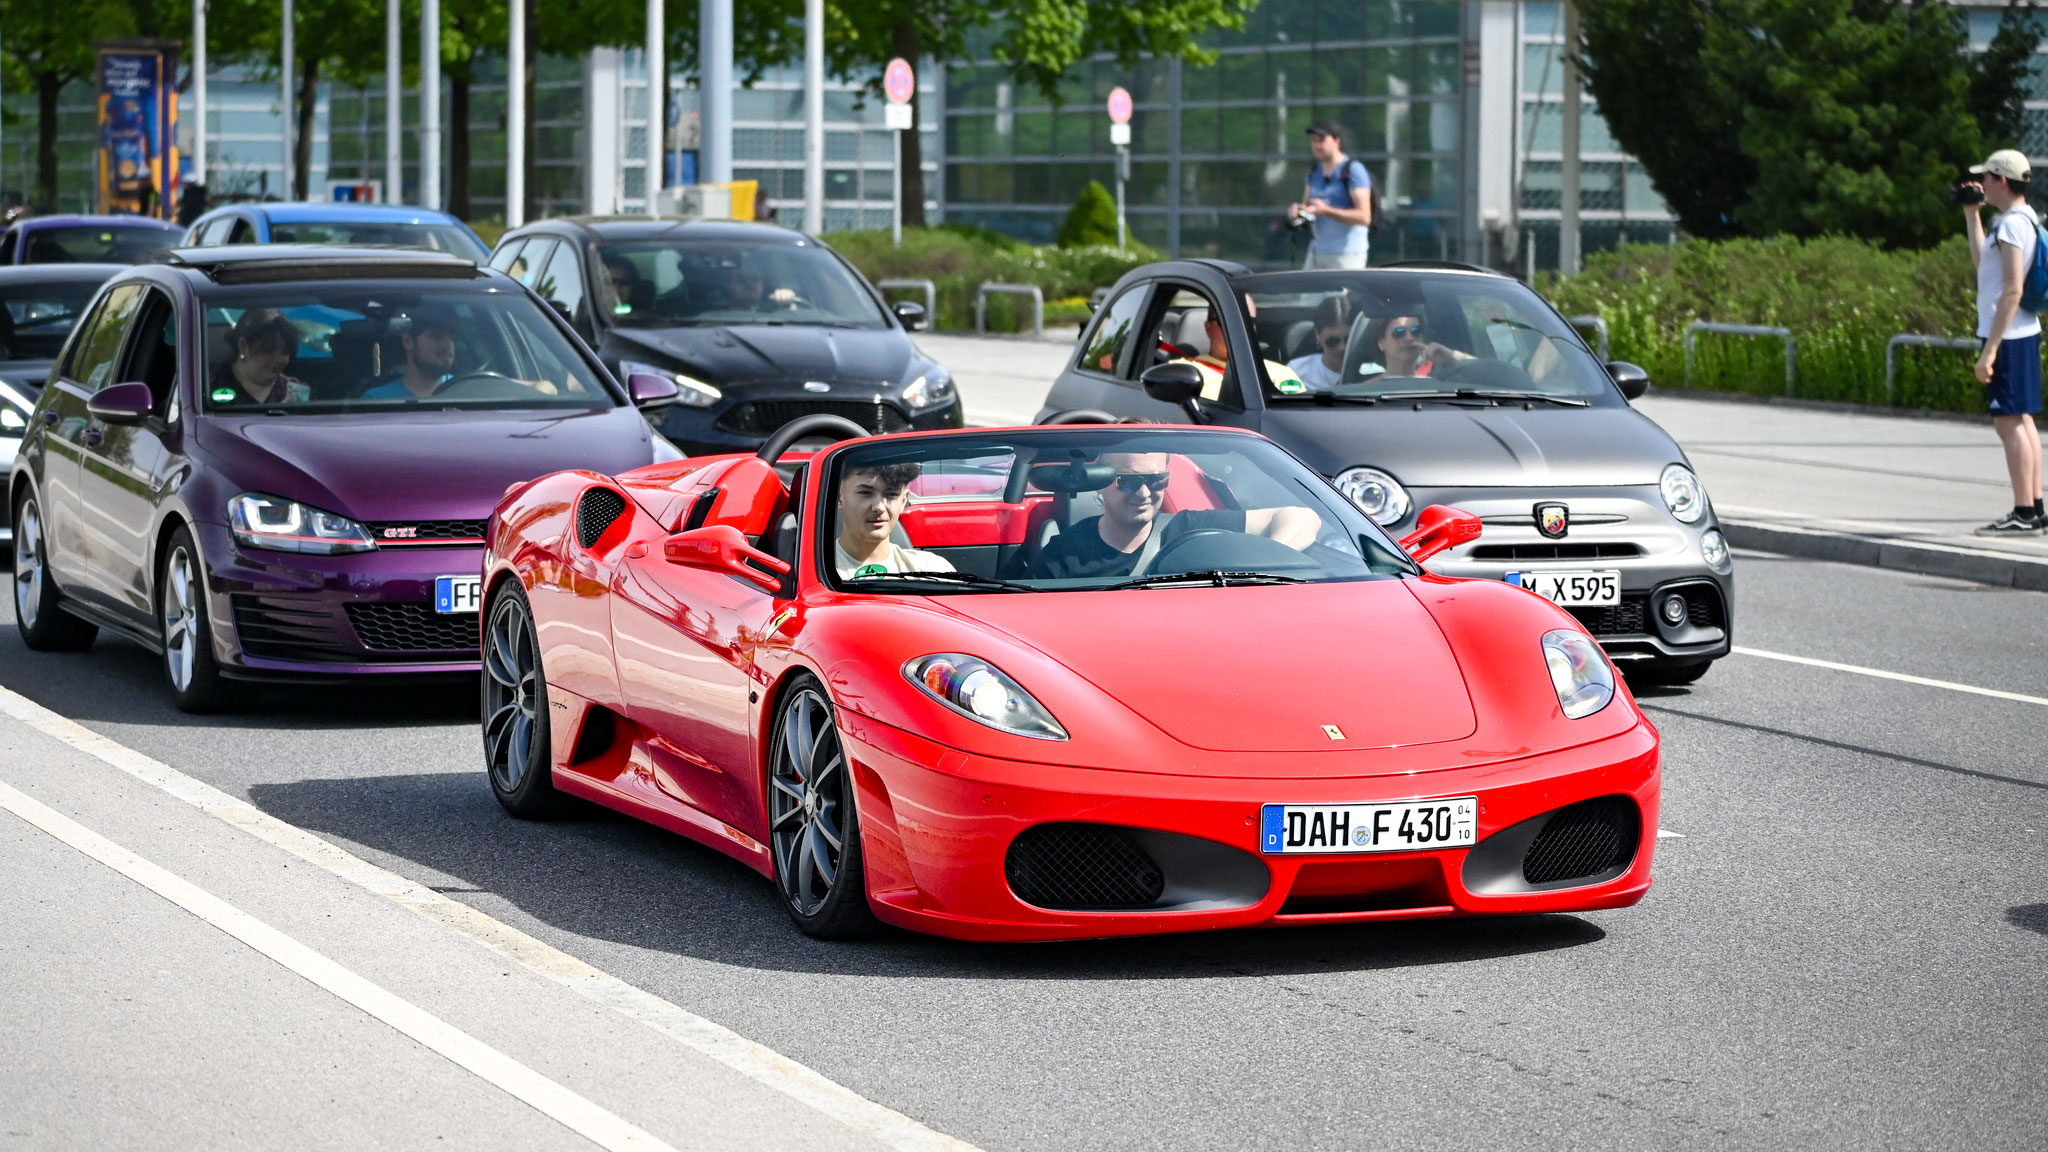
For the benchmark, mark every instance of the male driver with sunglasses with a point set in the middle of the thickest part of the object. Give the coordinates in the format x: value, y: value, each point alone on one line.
x: 1112, y: 544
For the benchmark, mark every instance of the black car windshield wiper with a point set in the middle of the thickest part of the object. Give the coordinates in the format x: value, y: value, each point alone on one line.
x: 974, y: 578
x: 1213, y: 576
x: 1490, y: 396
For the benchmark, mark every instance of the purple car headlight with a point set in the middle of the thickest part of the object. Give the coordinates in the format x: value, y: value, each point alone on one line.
x: 980, y: 691
x: 273, y: 522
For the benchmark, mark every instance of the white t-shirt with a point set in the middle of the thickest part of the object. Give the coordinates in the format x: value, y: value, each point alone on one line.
x: 1314, y: 372
x: 2016, y: 228
x: 895, y: 558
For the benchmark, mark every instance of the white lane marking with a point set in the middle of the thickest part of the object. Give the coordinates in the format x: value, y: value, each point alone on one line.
x: 576, y: 1113
x: 1668, y: 834
x: 1881, y: 674
x: 755, y: 1061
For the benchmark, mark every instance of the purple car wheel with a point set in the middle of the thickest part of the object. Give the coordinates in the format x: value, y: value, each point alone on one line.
x: 43, y: 625
x: 185, y: 634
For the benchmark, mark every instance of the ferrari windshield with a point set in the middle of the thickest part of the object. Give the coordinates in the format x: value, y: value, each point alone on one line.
x: 1079, y: 509
x: 1428, y: 335
x: 380, y: 233
x: 686, y: 283
x: 304, y: 350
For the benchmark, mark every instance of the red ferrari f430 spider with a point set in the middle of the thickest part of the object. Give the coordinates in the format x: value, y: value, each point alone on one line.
x: 1054, y: 682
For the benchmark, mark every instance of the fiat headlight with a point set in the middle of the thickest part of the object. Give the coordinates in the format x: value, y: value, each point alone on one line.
x: 261, y: 521
x: 1714, y: 549
x: 980, y: 691
x: 1377, y: 494
x: 694, y: 393
x: 1583, y: 678
x: 934, y: 387
x: 1683, y: 494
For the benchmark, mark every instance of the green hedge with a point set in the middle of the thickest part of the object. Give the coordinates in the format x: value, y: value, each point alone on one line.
x: 957, y: 260
x: 1841, y: 298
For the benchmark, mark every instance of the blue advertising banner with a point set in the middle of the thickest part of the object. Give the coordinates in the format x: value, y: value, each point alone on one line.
x: 137, y: 165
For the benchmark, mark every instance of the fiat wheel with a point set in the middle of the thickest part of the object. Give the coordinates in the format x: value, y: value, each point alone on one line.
x: 813, y: 827
x: 515, y: 711
x: 187, y: 638
x: 44, y: 626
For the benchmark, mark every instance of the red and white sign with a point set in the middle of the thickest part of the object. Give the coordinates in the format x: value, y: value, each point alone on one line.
x: 1119, y: 106
x: 899, y: 83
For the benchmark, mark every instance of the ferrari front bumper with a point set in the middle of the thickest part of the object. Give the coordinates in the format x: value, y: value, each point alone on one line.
x: 941, y: 830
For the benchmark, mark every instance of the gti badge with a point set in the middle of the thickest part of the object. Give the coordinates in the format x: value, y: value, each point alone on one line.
x: 401, y: 533
x: 1553, y: 520
x: 816, y: 386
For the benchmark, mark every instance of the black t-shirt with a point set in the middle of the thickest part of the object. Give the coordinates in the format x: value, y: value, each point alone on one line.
x: 1081, y: 551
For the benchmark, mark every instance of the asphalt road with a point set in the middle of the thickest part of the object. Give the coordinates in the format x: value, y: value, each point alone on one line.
x: 1845, y: 948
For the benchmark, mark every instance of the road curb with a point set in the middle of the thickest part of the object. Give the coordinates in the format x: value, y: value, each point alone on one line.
x: 1975, y: 564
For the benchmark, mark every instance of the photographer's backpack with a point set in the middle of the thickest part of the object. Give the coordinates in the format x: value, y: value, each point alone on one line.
x: 2034, y: 286
x: 1372, y: 193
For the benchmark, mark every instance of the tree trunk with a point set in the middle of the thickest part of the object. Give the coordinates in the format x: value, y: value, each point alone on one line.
x: 302, y: 140
x: 458, y: 140
x: 910, y: 175
x: 48, y: 85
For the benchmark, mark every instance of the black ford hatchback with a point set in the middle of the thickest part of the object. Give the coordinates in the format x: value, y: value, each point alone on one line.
x: 758, y: 325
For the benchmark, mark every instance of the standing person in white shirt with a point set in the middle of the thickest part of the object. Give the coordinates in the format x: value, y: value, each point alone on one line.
x: 2010, y: 365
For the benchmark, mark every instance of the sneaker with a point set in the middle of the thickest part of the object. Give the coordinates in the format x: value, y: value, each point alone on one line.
x: 2015, y: 523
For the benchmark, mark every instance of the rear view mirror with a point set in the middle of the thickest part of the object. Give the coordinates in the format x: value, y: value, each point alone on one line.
x: 1176, y: 382
x: 1440, y: 527
x: 1632, y: 380
x: 721, y: 548
x: 650, y: 391
x: 912, y: 314
x: 121, y: 404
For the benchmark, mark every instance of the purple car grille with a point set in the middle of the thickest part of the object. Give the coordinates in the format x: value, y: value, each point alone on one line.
x: 427, y: 533
x: 277, y: 629
x: 311, y: 632
x: 412, y: 628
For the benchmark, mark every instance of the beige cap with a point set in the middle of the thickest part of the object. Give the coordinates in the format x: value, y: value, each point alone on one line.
x: 2007, y: 162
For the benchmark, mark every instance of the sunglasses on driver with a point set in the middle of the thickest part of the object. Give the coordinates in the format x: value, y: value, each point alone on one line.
x: 1400, y: 330
x: 1132, y: 481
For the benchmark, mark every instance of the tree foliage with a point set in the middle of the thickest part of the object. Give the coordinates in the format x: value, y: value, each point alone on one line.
x: 1807, y: 117
x: 1092, y: 219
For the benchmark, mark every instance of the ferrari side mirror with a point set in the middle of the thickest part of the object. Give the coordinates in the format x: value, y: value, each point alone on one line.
x: 1438, y: 528
x: 1632, y: 380
x: 1176, y: 382
x: 721, y: 548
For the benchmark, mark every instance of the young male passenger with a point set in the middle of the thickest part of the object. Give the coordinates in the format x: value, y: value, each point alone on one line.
x: 1108, y: 545
x: 871, y: 504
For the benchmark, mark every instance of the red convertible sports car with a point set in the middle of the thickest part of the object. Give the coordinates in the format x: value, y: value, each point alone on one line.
x: 1070, y: 681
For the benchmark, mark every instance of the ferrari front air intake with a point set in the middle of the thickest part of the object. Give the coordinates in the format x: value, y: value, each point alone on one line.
x: 595, y: 513
x: 1093, y: 867
x: 1585, y: 839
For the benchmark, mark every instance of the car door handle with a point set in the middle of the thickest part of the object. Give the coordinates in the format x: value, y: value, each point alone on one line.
x: 94, y: 435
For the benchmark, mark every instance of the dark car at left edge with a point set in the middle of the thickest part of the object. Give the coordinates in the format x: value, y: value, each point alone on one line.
x: 757, y: 325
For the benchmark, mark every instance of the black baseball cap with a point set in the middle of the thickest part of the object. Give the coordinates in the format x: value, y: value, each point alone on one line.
x: 1326, y: 128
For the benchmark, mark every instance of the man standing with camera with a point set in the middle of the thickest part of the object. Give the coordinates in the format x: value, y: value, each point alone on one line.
x: 1336, y: 202
x: 2010, y: 365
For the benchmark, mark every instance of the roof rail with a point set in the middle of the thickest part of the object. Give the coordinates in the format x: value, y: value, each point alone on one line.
x: 269, y: 264
x: 1444, y: 266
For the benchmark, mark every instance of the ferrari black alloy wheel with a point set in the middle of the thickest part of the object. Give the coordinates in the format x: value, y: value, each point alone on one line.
x: 44, y: 627
x: 813, y: 830
x: 515, y: 710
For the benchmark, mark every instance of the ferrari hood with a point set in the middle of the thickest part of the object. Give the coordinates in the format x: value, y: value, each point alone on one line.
x: 1440, y: 446
x: 1289, y: 668
x: 744, y: 353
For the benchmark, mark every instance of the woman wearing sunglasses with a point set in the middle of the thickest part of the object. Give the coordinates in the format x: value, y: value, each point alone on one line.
x: 1404, y: 350
x: 1113, y: 543
x: 1323, y: 368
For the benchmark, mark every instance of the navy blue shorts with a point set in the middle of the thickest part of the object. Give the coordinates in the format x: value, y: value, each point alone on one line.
x: 2016, y: 376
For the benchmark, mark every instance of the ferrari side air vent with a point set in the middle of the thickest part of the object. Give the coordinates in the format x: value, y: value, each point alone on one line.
x: 595, y: 513
x: 1585, y: 839
x: 1082, y: 866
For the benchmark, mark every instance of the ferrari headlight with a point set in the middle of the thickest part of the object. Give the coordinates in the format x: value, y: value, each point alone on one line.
x: 694, y: 392
x: 1683, y: 494
x: 261, y: 521
x: 1583, y: 678
x: 1377, y: 494
x: 934, y: 387
x: 980, y: 691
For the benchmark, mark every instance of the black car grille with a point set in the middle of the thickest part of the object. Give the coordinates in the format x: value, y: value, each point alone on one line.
x: 595, y: 512
x: 1608, y: 551
x: 413, y: 628
x: 1703, y: 608
x: 1631, y: 617
x: 763, y: 417
x: 1585, y: 839
x: 276, y: 629
x: 1082, y: 866
x: 417, y: 533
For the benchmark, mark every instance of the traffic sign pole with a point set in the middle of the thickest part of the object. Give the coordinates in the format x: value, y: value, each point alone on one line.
x: 1120, y: 135
x: 899, y: 84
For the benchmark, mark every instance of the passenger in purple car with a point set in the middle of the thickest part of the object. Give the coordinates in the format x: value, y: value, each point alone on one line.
x: 262, y: 343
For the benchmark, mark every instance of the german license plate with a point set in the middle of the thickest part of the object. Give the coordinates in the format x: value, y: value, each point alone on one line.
x: 454, y: 594
x: 1408, y: 827
x: 1572, y: 589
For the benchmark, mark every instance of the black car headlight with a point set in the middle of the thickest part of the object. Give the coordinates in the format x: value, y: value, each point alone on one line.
x: 694, y: 393
x: 262, y: 521
x: 933, y: 388
x: 15, y: 409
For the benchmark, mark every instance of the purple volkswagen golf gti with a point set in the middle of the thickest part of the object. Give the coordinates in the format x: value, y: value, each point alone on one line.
x: 278, y: 462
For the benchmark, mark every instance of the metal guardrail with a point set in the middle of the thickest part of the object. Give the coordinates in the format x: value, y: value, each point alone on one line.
x: 931, y: 296
x: 1914, y: 340
x: 1693, y: 329
x: 981, y: 295
x: 1599, y: 328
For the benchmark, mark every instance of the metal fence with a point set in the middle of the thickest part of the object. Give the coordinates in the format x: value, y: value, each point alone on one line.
x: 1693, y: 330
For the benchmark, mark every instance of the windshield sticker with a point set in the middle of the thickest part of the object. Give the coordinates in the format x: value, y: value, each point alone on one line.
x: 222, y: 395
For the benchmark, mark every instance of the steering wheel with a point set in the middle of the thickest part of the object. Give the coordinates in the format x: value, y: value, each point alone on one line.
x: 824, y: 424
x: 1080, y: 416
x: 450, y: 385
x: 1180, y: 541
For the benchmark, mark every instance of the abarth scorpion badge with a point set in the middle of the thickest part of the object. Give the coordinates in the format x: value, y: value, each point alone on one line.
x: 1553, y: 520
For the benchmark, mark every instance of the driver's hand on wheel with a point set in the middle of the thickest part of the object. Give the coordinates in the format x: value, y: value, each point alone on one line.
x: 782, y: 298
x: 1443, y: 356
